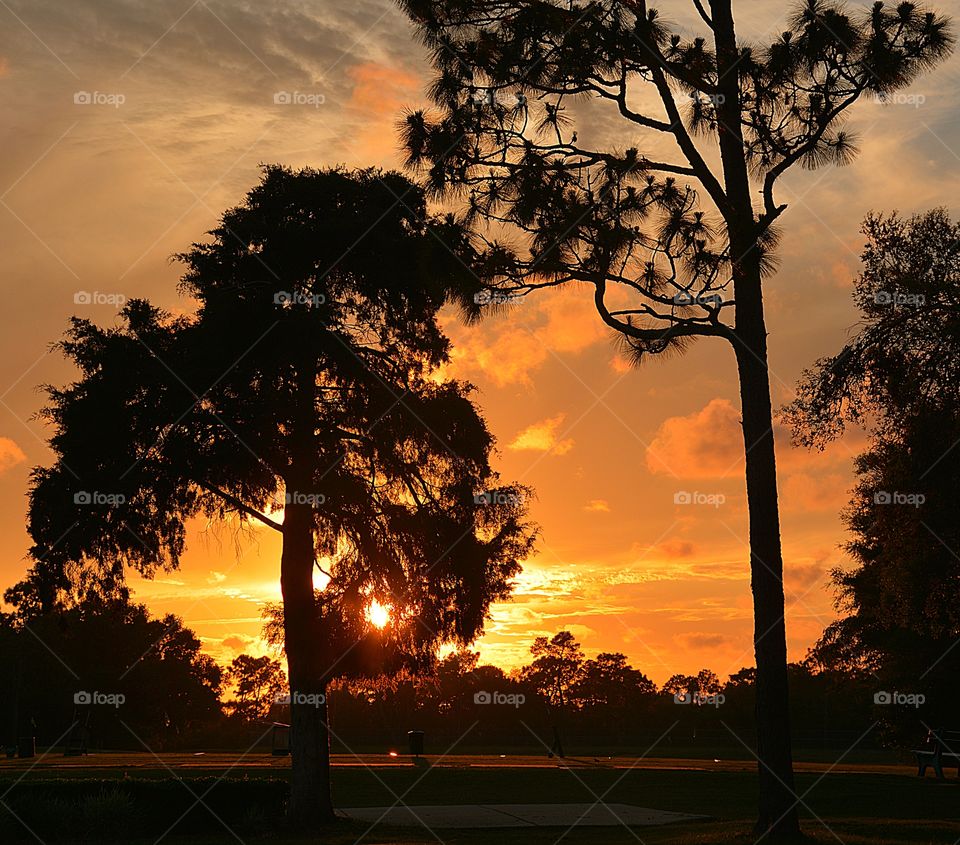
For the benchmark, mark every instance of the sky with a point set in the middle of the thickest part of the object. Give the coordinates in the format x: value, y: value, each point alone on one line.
x: 130, y: 125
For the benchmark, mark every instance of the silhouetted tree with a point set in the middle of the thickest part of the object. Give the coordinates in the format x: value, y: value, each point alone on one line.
x: 554, y: 673
x: 897, y: 377
x: 671, y: 246
x: 608, y: 680
x: 305, y: 382
x: 258, y: 682
x: 107, y: 667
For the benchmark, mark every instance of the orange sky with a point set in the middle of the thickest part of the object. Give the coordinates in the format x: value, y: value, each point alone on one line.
x: 95, y: 196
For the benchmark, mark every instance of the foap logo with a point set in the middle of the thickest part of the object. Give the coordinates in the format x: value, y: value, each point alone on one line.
x: 713, y: 699
x: 683, y: 497
x: 494, y: 297
x: 96, y: 297
x: 703, y: 299
x: 111, y: 699
x: 900, y: 99
x: 287, y: 299
x: 298, y: 98
x: 98, y: 98
x: 902, y: 699
x: 314, y: 500
x: 490, y: 97
x: 512, y: 699
x: 896, y: 497
x: 497, y: 497
x: 95, y: 497
x: 897, y: 299
x: 302, y: 699
x: 714, y: 99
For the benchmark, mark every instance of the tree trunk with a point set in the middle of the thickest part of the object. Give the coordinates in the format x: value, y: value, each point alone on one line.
x: 778, y: 814
x: 311, y: 802
x: 777, y: 817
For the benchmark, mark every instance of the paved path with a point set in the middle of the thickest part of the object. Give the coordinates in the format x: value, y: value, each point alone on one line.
x: 517, y: 815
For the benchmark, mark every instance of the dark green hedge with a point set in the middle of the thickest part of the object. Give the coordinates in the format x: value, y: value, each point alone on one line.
x: 100, y: 810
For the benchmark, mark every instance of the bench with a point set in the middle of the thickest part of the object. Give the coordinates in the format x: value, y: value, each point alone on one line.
x: 942, y: 748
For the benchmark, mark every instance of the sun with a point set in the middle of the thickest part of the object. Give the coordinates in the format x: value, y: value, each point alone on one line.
x: 378, y: 614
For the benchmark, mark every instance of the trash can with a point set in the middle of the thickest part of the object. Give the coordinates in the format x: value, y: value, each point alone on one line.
x: 415, y: 738
x: 26, y: 747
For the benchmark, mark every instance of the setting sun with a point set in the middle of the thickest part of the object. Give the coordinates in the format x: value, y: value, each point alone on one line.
x: 378, y: 614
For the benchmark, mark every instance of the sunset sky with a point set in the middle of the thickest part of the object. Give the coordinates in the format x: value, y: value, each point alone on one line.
x: 129, y: 126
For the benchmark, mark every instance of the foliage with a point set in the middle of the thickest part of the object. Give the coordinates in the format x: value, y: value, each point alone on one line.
x: 901, y: 596
x: 259, y: 682
x: 305, y: 375
x: 516, y: 80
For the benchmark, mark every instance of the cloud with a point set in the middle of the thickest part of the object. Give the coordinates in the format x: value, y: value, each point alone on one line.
x: 674, y: 549
x: 708, y: 444
x: 379, y: 94
x: 542, y: 437
x: 702, y: 640
x: 509, y: 347
x: 598, y: 506
x: 805, y: 492
x: 10, y: 454
x: 238, y: 643
x: 705, y: 444
x: 216, y: 577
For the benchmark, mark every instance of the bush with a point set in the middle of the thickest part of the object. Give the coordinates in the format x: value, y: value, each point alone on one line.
x: 108, y: 810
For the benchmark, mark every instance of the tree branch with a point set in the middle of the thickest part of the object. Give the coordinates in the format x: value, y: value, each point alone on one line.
x: 240, y: 505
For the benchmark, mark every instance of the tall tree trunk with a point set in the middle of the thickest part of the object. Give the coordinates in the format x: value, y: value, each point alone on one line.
x: 777, y: 815
x: 311, y: 801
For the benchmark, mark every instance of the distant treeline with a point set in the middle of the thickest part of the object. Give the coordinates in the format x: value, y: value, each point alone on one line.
x: 108, y: 674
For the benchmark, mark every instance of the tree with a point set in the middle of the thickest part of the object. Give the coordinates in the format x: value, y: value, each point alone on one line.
x: 554, y: 673
x: 671, y: 247
x: 304, y: 383
x: 896, y: 377
x: 258, y: 681
x: 694, y: 687
x: 160, y: 689
x: 557, y: 667
x: 609, y: 681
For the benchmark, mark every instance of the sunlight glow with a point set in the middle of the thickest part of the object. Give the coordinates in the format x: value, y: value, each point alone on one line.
x: 378, y: 614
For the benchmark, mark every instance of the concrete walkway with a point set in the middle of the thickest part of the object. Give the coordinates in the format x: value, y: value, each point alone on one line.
x: 516, y: 815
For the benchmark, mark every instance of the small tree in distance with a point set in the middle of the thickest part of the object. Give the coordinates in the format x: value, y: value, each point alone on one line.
x: 669, y: 247
x: 258, y: 682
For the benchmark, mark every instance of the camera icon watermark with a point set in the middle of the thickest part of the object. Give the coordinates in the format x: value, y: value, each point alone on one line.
x: 714, y: 699
x: 494, y: 297
x: 684, y: 497
x: 302, y: 699
x: 896, y: 497
x: 498, y: 497
x: 703, y: 299
x: 110, y: 699
x: 98, y: 98
x: 313, y: 500
x: 491, y: 97
x: 897, y: 299
x: 287, y: 299
x: 95, y: 497
x: 298, y: 98
x: 96, y: 297
x: 900, y: 99
x: 512, y: 699
x: 903, y: 699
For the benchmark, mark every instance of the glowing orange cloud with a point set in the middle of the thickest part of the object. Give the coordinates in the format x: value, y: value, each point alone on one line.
x: 10, y: 454
x: 543, y: 437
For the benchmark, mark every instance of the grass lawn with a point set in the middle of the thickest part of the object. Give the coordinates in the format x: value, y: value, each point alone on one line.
x: 852, y: 805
